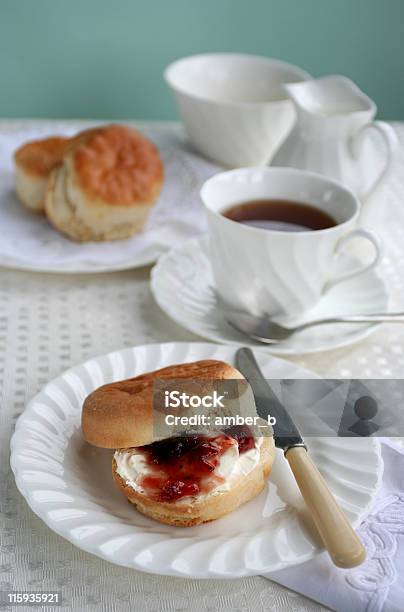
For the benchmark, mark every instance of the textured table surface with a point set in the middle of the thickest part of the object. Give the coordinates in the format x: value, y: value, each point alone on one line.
x: 49, y: 322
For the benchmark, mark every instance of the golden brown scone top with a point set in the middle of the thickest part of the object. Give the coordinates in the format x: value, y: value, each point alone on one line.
x: 120, y: 414
x: 39, y: 157
x: 117, y: 164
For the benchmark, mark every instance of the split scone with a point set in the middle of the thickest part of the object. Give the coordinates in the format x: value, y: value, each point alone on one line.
x: 180, y: 480
x: 104, y: 189
x: 34, y: 162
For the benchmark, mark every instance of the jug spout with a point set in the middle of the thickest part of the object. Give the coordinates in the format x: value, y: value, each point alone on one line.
x: 330, y: 96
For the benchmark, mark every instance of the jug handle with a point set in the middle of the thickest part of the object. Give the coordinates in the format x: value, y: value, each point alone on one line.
x: 391, y: 144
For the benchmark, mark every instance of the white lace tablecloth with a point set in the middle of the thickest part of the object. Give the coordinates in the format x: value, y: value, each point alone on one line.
x: 50, y: 322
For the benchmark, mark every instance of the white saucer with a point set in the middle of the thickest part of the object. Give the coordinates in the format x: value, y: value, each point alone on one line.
x: 68, y: 483
x: 183, y: 286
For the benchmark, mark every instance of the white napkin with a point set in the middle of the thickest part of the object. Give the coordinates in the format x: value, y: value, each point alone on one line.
x: 378, y: 584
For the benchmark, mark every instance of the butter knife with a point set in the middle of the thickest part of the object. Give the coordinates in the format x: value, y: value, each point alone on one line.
x: 338, y: 536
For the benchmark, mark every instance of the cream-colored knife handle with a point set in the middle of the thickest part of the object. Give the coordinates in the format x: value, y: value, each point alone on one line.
x: 337, y: 534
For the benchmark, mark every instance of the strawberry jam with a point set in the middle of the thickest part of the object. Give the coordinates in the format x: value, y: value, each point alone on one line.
x: 244, y: 437
x: 184, y: 465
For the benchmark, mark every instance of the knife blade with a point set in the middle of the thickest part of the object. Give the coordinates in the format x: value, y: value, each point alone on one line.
x: 286, y: 434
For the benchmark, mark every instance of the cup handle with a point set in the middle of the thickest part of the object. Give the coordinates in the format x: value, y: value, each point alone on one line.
x: 356, y: 233
x: 391, y: 144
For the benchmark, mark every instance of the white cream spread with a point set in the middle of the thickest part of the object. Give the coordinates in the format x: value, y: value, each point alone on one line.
x: 132, y: 466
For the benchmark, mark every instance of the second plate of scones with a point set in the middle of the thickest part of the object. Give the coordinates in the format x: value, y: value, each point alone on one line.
x: 103, y: 198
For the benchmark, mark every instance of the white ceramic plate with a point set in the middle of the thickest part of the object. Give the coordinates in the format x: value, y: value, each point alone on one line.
x: 183, y: 286
x: 29, y: 242
x: 68, y: 483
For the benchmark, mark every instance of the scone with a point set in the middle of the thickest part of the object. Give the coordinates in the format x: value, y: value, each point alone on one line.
x: 180, y: 480
x: 34, y: 161
x: 106, y: 186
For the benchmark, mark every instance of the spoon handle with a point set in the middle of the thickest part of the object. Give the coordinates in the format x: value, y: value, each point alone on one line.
x: 386, y: 317
x: 339, y: 538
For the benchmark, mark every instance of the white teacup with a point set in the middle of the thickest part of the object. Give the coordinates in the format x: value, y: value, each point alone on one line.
x: 234, y: 107
x: 279, y: 273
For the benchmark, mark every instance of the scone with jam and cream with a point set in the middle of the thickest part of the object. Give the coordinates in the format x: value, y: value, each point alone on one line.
x: 181, y: 480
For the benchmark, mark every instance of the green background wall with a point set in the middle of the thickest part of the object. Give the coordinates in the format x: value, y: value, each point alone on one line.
x: 105, y: 58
